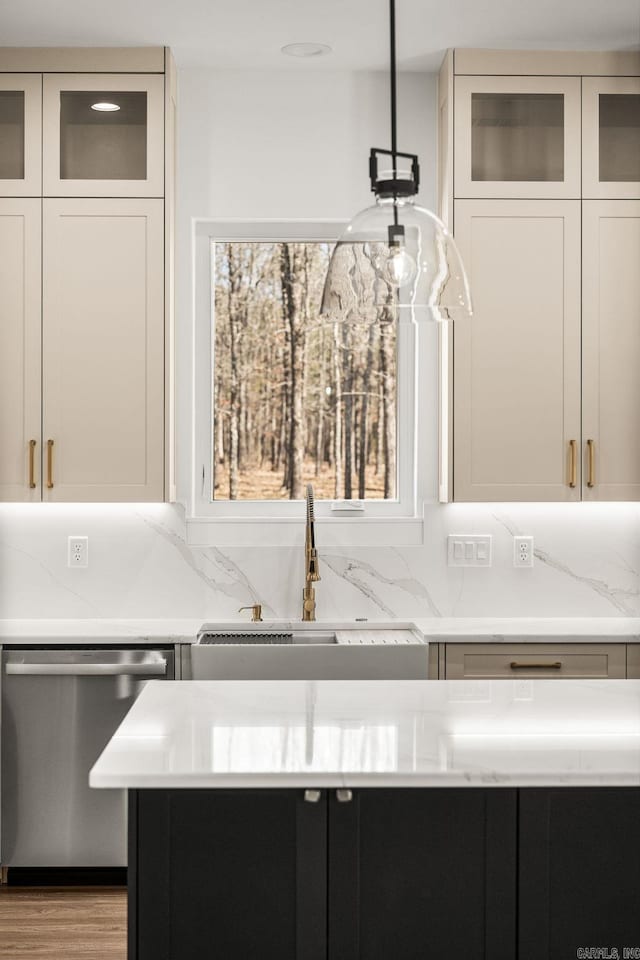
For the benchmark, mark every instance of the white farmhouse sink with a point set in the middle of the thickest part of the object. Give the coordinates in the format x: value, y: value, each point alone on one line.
x: 285, y: 650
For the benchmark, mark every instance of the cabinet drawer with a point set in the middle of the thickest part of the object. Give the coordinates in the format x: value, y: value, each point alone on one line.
x: 542, y: 660
x: 633, y: 661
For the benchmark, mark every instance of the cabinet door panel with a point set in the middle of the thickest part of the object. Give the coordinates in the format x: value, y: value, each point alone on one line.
x: 517, y: 137
x: 579, y: 871
x: 89, y: 152
x: 103, y: 349
x: 611, y: 348
x: 517, y: 361
x: 233, y: 874
x: 20, y: 135
x: 611, y: 137
x: 417, y: 873
x: 20, y: 334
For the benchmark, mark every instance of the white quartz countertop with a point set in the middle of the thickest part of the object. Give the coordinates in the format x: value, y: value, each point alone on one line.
x: 449, y: 629
x: 529, y: 629
x: 91, y: 631
x: 422, y: 733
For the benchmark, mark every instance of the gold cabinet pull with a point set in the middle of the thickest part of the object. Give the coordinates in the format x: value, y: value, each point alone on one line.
x: 573, y: 466
x: 49, y: 464
x: 32, y: 469
x: 554, y: 665
x: 591, y: 455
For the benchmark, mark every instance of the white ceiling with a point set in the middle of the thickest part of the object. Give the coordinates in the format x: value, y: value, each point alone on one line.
x: 249, y: 33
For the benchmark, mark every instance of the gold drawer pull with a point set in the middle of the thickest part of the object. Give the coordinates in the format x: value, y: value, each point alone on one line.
x: 554, y: 665
x: 591, y: 453
x: 32, y: 473
x: 49, y: 464
x: 573, y: 469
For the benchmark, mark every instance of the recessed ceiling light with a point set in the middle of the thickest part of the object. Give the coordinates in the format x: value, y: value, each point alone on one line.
x: 306, y: 49
x: 104, y: 107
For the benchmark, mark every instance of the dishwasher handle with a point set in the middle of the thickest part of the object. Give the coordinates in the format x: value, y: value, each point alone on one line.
x: 156, y: 669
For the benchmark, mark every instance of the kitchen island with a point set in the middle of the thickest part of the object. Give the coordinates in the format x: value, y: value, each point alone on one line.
x: 391, y: 819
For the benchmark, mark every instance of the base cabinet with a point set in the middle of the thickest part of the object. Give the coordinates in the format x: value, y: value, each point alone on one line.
x: 422, y: 873
x: 230, y: 874
x: 493, y: 874
x: 265, y: 873
x: 578, y: 873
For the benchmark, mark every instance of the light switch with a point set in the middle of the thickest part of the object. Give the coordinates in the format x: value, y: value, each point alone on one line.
x: 469, y: 551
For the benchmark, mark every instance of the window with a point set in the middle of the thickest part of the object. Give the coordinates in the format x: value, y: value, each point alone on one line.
x: 282, y: 398
x: 296, y: 400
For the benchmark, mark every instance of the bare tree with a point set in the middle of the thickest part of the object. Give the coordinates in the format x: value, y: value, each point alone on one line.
x: 295, y: 402
x: 363, y: 450
x: 234, y: 358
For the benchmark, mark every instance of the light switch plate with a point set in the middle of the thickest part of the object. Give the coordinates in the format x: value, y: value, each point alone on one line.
x: 469, y: 551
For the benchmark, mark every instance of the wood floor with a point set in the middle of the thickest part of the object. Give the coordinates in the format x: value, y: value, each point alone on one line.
x: 56, y: 923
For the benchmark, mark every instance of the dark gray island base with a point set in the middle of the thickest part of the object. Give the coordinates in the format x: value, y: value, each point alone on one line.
x: 535, y: 873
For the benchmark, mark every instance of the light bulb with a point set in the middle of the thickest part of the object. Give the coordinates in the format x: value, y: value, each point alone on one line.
x: 105, y: 106
x: 399, y: 267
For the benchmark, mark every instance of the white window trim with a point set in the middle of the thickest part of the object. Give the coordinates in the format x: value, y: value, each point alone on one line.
x: 279, y: 522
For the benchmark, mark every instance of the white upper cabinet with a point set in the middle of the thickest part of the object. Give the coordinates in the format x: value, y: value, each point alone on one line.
x: 20, y: 319
x: 103, y: 350
x: 86, y: 264
x: 540, y: 396
x: 20, y: 135
x: 103, y: 135
x: 517, y: 137
x: 517, y: 360
x: 611, y: 137
x: 611, y: 349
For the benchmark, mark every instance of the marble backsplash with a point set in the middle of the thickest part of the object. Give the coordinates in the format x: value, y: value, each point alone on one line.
x: 587, y: 563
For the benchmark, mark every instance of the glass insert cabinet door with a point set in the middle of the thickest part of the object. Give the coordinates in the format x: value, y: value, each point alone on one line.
x: 20, y: 135
x: 517, y: 137
x: 103, y: 135
x: 611, y: 137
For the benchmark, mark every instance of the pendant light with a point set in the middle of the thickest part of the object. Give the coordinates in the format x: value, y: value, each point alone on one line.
x: 395, y: 260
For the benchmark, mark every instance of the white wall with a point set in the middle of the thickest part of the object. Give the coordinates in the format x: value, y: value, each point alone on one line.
x: 287, y: 144
x: 276, y: 145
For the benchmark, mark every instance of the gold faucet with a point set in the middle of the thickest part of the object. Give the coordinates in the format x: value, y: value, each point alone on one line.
x: 310, y: 562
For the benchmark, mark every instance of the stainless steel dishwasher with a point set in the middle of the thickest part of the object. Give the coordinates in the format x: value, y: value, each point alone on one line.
x: 60, y: 707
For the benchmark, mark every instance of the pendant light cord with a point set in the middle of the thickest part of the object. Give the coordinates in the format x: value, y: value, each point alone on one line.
x: 392, y: 34
x: 394, y: 117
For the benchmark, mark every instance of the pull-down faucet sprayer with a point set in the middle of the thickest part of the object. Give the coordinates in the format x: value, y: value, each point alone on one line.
x: 310, y: 562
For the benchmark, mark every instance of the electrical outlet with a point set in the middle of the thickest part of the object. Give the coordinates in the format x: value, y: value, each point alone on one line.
x: 469, y: 551
x: 523, y: 551
x: 78, y: 552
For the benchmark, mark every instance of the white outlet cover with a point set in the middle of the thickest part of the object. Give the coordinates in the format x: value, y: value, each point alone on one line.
x: 78, y: 552
x: 523, y: 551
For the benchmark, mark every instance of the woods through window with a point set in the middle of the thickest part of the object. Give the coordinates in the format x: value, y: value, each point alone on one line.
x: 296, y: 400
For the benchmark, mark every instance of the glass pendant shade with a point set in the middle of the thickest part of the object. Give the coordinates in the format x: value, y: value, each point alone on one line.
x: 396, y: 261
